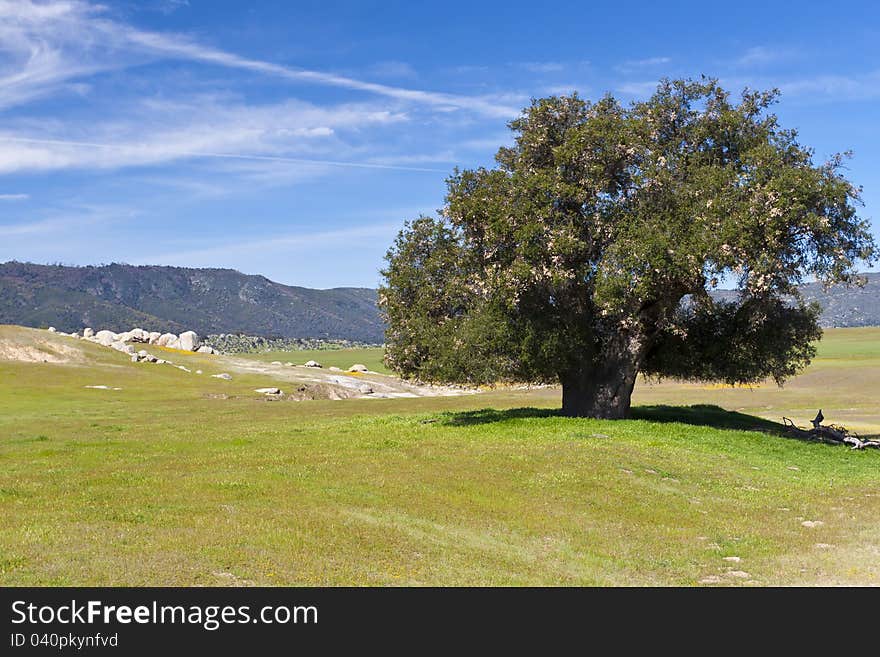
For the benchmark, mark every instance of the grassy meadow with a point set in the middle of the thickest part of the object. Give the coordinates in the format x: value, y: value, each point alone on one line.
x: 342, y: 358
x: 179, y: 479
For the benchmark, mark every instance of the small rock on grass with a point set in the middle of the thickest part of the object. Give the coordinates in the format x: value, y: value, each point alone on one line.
x: 733, y: 559
x: 269, y: 391
x: 222, y: 375
x: 739, y: 574
x: 711, y: 579
x: 810, y: 524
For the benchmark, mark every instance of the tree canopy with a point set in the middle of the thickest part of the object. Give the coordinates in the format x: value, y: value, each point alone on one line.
x: 588, y: 254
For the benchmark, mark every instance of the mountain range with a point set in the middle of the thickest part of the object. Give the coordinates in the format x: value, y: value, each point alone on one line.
x: 174, y: 299
x: 209, y: 301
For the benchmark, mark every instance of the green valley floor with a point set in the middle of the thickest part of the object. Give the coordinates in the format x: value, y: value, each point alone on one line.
x: 178, y: 479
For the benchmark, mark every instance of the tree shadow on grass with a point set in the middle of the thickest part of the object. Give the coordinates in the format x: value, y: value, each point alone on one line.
x: 707, y: 415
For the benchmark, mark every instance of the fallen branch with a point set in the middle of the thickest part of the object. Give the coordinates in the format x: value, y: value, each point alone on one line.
x: 832, y: 434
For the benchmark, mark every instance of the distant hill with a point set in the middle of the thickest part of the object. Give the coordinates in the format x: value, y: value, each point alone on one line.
x: 119, y: 297
x: 841, y: 306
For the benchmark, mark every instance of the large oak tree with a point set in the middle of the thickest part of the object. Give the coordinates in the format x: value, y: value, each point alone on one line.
x: 588, y: 254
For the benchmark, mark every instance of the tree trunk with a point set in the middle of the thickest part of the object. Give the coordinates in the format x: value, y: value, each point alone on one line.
x: 601, y: 390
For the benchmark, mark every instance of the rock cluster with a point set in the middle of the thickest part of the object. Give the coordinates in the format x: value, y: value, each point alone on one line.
x: 186, y: 341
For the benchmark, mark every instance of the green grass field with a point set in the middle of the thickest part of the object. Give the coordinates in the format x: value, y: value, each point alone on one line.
x: 342, y: 358
x: 184, y: 479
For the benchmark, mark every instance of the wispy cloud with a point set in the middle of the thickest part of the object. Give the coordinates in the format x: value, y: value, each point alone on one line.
x: 156, y: 132
x: 633, y: 65
x: 277, y: 243
x: 834, y: 87
x: 541, y: 67
x: 637, y: 89
x: 392, y: 69
x: 565, y: 89
x: 44, y: 41
x: 765, y: 56
x: 73, y: 219
x: 14, y: 197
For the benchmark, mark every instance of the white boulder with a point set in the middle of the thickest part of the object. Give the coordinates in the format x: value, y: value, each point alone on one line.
x: 189, y: 341
x: 139, y: 335
x: 153, y: 337
x: 52, y: 329
x: 106, y: 338
x: 88, y: 333
x: 166, y: 339
x: 312, y: 363
x: 205, y: 349
x: 358, y: 367
x: 269, y: 391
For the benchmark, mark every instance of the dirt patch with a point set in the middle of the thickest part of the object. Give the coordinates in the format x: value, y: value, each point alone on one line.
x: 40, y: 351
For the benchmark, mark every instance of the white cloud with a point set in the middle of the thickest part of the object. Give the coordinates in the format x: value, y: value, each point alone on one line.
x: 393, y: 69
x: 639, y: 64
x: 156, y: 132
x: 71, y: 220
x: 834, y: 87
x: 14, y: 197
x: 639, y: 89
x: 764, y: 56
x: 283, y: 243
x: 542, y: 67
x: 53, y: 43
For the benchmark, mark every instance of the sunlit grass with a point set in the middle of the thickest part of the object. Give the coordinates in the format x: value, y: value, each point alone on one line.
x: 186, y: 479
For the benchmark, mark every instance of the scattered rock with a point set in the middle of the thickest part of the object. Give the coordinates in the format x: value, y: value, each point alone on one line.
x: 166, y: 339
x: 223, y: 375
x: 812, y: 523
x: 793, y: 467
x: 189, y: 341
x: 711, y: 579
x: 153, y: 337
x: 358, y: 367
x: 205, y: 349
x: 199, y: 372
x: 269, y: 391
x: 312, y: 363
x: 335, y: 369
x: 739, y: 574
x: 733, y: 559
x: 106, y: 338
x: 276, y: 362
x: 823, y: 546
x: 52, y: 329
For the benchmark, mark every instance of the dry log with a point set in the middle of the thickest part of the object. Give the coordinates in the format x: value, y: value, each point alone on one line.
x: 829, y: 434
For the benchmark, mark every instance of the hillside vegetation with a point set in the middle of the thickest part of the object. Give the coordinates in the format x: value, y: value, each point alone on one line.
x: 175, y: 299
x: 182, y: 479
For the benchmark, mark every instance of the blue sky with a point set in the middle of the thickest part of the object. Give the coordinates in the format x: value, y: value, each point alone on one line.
x: 292, y: 139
